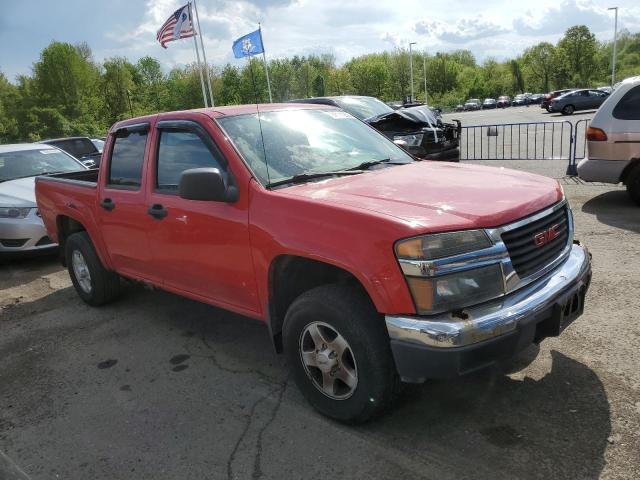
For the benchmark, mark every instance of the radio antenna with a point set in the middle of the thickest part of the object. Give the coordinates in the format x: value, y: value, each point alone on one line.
x: 255, y: 94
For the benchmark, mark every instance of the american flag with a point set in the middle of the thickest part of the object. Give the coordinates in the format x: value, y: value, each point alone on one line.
x: 177, y: 26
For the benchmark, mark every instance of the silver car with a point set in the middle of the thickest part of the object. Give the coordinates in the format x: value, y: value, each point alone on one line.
x: 613, y: 140
x: 584, y: 99
x: 21, y: 228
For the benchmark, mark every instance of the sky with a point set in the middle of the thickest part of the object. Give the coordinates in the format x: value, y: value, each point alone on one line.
x: 345, y: 28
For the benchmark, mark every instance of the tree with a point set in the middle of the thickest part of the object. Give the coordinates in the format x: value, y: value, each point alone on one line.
x: 65, y: 80
x: 577, y: 50
x: 538, y: 62
x: 516, y: 75
x: 117, y: 83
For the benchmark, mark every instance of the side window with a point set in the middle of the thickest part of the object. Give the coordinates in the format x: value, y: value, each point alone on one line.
x: 181, y: 150
x: 127, y: 158
x: 628, y: 107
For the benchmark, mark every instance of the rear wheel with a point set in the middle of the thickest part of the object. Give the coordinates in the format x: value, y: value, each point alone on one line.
x: 633, y: 184
x: 95, y: 284
x: 568, y: 110
x: 339, y: 352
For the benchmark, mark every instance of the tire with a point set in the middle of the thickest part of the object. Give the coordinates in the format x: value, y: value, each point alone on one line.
x: 94, y: 284
x: 568, y: 110
x: 345, y: 311
x: 633, y: 184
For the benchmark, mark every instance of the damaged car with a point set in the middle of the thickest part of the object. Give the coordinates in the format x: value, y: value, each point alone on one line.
x: 419, y: 130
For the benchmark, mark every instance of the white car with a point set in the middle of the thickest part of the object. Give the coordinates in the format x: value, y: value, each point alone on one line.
x: 613, y: 140
x: 21, y: 228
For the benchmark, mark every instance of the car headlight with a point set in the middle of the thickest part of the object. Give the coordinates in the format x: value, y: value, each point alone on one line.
x: 433, y: 293
x: 14, y: 212
x: 414, y: 140
x: 440, y: 245
x: 456, y: 290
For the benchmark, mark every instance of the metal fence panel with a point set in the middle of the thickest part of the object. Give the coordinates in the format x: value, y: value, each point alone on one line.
x: 526, y: 141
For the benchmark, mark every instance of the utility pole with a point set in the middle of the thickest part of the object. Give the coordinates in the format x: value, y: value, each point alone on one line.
x: 615, y: 42
x: 424, y: 72
x: 411, y: 67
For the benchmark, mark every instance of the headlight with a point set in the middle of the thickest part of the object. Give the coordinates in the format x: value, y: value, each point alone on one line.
x: 456, y: 290
x: 434, y: 293
x: 14, y: 212
x: 442, y: 245
x: 409, y: 140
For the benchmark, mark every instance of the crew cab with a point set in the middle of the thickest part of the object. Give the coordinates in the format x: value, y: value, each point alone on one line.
x: 368, y: 266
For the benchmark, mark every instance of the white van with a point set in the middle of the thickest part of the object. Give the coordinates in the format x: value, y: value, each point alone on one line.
x: 613, y: 140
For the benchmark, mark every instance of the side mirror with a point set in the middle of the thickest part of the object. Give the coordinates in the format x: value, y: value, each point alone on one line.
x: 206, y: 184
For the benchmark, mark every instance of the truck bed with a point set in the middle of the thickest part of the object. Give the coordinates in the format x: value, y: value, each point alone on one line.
x: 81, y: 177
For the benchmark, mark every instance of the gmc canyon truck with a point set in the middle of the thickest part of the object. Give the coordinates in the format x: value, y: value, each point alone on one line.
x: 369, y: 266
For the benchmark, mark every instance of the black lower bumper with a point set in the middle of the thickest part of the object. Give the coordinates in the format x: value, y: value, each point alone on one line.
x: 416, y: 363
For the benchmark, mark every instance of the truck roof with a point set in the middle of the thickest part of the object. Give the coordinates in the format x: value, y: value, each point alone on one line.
x: 231, y: 110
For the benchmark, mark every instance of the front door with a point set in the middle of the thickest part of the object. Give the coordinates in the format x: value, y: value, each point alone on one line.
x: 201, y: 247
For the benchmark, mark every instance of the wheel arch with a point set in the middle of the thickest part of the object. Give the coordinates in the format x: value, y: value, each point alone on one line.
x: 66, y: 226
x: 292, y: 275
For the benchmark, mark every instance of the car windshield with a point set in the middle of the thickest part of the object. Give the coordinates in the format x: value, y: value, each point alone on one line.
x: 299, y: 142
x: 30, y: 163
x: 363, y: 107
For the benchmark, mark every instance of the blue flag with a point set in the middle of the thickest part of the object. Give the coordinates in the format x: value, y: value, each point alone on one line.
x: 248, y: 45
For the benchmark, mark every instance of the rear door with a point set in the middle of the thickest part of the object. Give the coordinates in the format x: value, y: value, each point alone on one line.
x: 200, y: 248
x: 625, y: 128
x: 121, y: 202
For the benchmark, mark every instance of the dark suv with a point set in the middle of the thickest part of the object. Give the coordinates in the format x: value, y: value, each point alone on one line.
x: 417, y: 129
x: 80, y: 147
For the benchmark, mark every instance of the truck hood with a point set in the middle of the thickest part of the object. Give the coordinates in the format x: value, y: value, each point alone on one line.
x: 433, y: 196
x: 20, y: 192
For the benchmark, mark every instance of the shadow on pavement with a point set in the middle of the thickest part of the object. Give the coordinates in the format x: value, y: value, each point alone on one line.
x: 615, y: 208
x: 493, y: 426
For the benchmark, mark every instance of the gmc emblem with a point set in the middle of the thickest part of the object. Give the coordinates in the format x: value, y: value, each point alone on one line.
x: 542, y: 238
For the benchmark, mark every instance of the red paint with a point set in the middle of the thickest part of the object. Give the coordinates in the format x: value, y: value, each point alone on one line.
x: 222, y: 253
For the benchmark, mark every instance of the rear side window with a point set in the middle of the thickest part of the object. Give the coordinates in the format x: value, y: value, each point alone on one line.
x: 78, y: 147
x: 628, y: 108
x: 127, y: 158
x: 181, y: 150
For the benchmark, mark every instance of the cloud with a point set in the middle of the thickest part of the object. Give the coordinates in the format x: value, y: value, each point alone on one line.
x: 462, y: 31
x: 557, y: 19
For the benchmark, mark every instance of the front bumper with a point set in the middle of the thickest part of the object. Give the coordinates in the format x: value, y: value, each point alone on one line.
x: 23, y: 235
x: 446, y: 346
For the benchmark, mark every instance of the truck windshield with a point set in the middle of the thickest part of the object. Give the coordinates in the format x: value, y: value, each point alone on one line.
x: 30, y: 163
x: 300, y: 142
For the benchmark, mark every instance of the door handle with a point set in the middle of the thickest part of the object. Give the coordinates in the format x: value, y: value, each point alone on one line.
x: 107, y: 204
x: 157, y: 211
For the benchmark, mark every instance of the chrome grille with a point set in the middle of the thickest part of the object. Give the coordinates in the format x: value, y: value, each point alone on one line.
x: 529, y: 257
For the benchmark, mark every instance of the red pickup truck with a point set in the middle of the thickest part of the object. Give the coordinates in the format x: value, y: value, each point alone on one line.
x: 369, y: 267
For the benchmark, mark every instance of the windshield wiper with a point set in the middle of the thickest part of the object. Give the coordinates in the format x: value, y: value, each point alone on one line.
x: 371, y: 163
x: 304, y: 177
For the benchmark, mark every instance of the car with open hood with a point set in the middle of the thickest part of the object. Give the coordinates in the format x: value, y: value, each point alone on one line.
x: 420, y: 129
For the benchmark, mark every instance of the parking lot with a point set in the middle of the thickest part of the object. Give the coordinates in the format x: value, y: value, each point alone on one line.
x: 158, y: 386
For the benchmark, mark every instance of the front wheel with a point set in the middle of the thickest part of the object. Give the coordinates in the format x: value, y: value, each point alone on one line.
x: 568, y: 110
x: 338, y: 348
x: 95, y: 284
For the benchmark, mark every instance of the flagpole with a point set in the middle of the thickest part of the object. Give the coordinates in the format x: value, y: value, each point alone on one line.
x: 195, y: 44
x: 266, y: 70
x: 204, y: 55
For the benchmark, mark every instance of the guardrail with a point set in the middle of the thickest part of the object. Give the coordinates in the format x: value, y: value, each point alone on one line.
x: 526, y: 141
